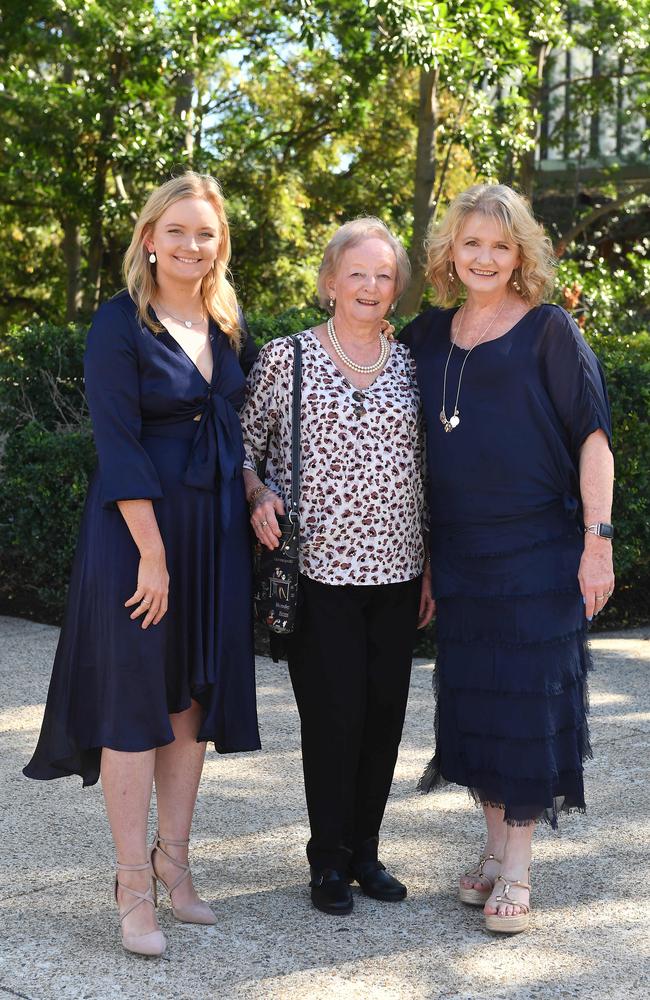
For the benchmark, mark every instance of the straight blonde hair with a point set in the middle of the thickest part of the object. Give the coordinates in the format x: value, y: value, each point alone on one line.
x: 536, y: 273
x: 217, y: 291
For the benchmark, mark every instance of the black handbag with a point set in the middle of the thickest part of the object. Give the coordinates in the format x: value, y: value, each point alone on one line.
x: 275, y: 581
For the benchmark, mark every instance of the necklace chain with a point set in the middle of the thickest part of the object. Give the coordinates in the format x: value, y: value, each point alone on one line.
x: 384, y: 352
x: 450, y: 423
x: 189, y: 323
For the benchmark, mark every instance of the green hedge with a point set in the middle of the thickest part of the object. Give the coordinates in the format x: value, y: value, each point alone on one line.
x: 45, y: 476
x: 49, y: 454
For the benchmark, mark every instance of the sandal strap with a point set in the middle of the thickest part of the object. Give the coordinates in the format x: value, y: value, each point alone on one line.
x: 140, y: 897
x: 478, y: 869
x: 174, y: 843
x: 183, y: 868
x: 504, y: 897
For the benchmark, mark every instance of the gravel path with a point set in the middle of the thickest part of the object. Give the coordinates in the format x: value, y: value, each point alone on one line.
x: 590, y: 935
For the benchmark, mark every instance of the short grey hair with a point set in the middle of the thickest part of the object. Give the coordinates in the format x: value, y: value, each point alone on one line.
x: 351, y: 234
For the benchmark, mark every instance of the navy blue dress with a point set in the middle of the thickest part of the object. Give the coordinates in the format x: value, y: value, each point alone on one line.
x: 506, y: 542
x: 161, y: 432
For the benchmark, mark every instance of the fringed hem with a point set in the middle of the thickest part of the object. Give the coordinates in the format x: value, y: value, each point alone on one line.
x: 433, y: 779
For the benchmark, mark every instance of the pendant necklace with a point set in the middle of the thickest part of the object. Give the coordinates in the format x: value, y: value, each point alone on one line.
x: 450, y: 423
x: 384, y: 352
x: 189, y: 323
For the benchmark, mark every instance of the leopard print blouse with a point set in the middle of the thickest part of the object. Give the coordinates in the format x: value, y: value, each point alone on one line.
x: 362, y: 467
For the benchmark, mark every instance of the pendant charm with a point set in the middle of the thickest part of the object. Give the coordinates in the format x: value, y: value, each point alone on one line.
x: 443, y: 417
x: 188, y: 324
x: 454, y: 421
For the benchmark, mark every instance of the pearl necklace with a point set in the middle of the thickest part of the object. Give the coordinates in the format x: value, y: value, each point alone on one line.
x: 450, y: 423
x: 384, y: 352
x: 189, y: 323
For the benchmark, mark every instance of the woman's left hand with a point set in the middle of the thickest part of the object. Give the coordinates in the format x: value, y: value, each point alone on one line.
x: 596, y: 574
x: 427, y: 603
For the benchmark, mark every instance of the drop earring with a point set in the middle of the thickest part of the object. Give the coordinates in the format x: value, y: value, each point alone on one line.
x: 332, y: 303
x: 152, y: 258
x: 392, y: 308
x: 450, y: 271
x: 515, y: 282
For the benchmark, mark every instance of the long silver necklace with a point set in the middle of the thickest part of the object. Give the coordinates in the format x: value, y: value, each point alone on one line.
x: 384, y: 352
x: 450, y: 423
x: 189, y: 323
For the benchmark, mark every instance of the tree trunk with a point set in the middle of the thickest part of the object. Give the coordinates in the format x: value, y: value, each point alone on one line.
x: 102, y: 161
x: 539, y: 53
x: 96, y: 235
x: 72, y: 257
x: 423, y: 201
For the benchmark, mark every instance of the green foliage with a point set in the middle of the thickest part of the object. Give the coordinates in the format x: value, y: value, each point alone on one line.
x: 41, y: 376
x: 613, y: 309
x: 44, y: 482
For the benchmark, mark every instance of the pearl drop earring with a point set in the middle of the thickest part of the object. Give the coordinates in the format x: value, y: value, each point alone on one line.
x: 331, y: 303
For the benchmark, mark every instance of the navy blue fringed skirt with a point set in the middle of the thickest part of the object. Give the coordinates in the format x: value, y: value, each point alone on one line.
x: 511, y: 670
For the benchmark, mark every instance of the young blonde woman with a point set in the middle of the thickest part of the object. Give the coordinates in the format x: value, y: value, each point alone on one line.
x: 521, y: 473
x: 155, y: 657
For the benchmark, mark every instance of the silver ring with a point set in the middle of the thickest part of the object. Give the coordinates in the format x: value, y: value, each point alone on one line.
x: 263, y: 524
x: 600, y: 597
x: 609, y: 593
x: 146, y: 604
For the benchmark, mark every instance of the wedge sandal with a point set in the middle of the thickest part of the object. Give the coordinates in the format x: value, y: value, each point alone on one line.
x: 473, y: 896
x: 516, y: 923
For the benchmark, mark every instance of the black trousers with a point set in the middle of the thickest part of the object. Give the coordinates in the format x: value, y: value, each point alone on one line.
x: 350, y: 666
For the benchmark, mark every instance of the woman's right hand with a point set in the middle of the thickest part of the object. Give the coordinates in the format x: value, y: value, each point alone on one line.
x: 152, y: 591
x: 264, y: 520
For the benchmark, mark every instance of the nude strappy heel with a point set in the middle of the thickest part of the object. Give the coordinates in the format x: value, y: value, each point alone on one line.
x: 152, y: 943
x: 191, y: 913
x: 478, y: 897
x: 518, y: 921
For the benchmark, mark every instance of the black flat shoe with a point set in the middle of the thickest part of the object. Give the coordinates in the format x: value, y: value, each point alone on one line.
x: 330, y: 892
x: 376, y: 882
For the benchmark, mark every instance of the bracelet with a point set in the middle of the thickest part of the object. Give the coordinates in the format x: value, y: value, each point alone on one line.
x: 257, y: 492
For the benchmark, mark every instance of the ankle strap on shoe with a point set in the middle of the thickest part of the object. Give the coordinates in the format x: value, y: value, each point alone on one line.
x: 174, y: 843
x: 133, y: 868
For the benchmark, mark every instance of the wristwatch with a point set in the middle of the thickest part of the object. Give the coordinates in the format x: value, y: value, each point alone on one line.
x: 604, y: 530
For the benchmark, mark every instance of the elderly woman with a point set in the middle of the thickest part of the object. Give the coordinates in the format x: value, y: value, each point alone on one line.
x: 521, y: 473
x: 155, y: 657
x: 362, y: 553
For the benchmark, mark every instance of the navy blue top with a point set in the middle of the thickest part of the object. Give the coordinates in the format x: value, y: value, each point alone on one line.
x: 527, y: 402
x: 135, y: 383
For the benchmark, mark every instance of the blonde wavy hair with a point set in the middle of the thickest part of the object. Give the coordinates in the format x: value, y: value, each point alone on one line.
x: 351, y: 234
x: 532, y: 280
x: 217, y: 291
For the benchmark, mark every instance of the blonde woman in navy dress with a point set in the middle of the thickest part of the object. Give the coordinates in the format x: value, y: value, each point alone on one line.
x: 521, y: 476
x: 155, y: 657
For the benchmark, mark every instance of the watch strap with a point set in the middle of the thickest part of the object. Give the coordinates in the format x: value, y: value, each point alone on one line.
x: 601, y: 529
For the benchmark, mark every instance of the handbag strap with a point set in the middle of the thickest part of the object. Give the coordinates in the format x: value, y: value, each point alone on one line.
x: 295, y: 427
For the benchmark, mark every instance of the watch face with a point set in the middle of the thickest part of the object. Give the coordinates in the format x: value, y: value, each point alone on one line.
x: 606, y: 530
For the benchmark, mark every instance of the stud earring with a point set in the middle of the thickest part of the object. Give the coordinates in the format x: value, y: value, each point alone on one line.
x: 152, y: 258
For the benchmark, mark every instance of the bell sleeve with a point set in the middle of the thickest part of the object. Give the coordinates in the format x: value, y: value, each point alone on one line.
x: 113, y: 393
x: 575, y: 382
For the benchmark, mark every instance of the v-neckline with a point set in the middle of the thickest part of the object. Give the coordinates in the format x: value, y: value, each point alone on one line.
x: 355, y: 388
x: 209, y: 381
